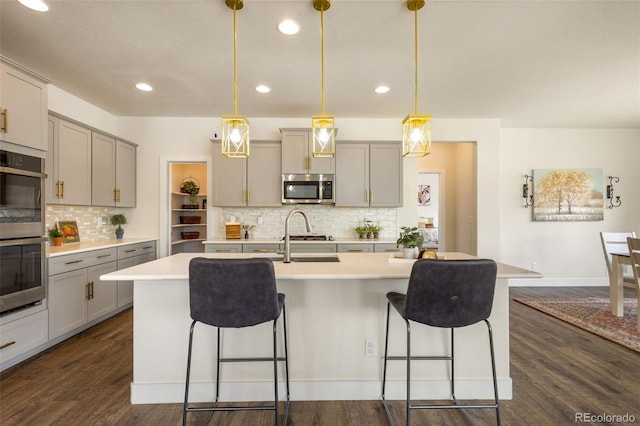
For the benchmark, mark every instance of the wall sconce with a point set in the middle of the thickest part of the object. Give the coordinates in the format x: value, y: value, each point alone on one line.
x: 527, y: 191
x: 613, y: 202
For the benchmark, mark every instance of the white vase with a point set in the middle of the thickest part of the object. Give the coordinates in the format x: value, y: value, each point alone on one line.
x: 410, y: 253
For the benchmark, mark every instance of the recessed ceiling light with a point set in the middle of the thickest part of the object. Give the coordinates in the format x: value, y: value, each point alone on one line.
x: 263, y: 89
x: 144, y: 87
x: 37, y: 5
x: 289, y: 27
x: 382, y: 89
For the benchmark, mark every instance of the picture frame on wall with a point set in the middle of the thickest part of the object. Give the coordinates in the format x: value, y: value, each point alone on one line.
x: 568, y: 195
x: 69, y: 229
x: 424, y: 195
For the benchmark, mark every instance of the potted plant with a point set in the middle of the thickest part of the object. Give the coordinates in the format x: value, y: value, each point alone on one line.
x: 118, y: 220
x: 191, y: 188
x: 56, y: 236
x: 411, y: 241
x: 375, y: 229
x: 361, y: 231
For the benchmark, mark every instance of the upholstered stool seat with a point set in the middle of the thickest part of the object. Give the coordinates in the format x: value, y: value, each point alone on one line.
x: 236, y: 293
x: 446, y: 294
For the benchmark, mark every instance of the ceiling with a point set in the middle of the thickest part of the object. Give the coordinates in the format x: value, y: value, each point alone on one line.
x: 529, y: 63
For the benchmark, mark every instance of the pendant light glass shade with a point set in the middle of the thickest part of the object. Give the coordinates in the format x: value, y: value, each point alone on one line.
x: 235, y: 128
x: 324, y: 136
x: 322, y: 126
x: 416, y: 128
x: 416, y: 135
x: 235, y: 136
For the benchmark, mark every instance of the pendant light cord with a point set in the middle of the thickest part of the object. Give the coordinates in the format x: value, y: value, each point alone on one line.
x: 415, y: 26
x: 322, y: 55
x: 235, y: 66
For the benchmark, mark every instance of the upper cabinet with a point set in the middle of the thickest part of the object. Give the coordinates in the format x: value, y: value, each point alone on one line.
x: 85, y: 167
x: 297, y: 155
x: 368, y: 175
x: 113, y: 170
x: 68, y: 163
x: 23, y: 106
x: 253, y: 181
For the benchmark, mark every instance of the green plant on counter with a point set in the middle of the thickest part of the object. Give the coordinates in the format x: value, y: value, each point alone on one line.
x: 409, y: 237
x: 118, y: 220
x: 361, y: 231
x: 54, y: 233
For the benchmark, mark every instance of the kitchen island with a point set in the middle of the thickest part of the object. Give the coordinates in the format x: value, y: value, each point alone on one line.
x: 336, y: 314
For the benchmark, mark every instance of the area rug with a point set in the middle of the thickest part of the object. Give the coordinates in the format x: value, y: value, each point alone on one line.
x: 594, y: 315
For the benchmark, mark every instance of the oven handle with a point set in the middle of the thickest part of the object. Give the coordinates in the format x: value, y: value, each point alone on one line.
x: 19, y: 241
x: 19, y: 172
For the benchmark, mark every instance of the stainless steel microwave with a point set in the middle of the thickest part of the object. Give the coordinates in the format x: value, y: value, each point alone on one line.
x: 307, y: 189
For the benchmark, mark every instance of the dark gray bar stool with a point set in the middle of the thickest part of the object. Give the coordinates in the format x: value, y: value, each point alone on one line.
x: 446, y: 294
x: 235, y: 293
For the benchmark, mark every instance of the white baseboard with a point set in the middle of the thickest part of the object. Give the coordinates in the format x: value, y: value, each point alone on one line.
x: 165, y: 393
x: 559, y: 282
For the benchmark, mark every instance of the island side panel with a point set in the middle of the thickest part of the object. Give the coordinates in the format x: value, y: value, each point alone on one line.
x: 329, y: 321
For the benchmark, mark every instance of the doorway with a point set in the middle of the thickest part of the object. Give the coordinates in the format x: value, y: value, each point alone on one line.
x: 184, y: 221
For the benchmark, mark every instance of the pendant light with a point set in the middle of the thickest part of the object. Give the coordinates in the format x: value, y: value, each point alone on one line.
x: 322, y: 126
x: 235, y: 128
x: 416, y: 128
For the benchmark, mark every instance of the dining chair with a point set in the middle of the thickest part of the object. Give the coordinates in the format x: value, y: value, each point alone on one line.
x: 634, y: 253
x: 236, y: 293
x: 616, y: 242
x: 446, y: 294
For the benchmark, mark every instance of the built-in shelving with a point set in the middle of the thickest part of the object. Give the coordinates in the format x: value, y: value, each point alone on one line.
x: 178, y: 243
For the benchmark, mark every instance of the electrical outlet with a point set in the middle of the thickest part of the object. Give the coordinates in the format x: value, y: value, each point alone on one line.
x: 534, y: 266
x: 370, y: 347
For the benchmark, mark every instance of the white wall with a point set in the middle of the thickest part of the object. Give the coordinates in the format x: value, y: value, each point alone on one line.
x: 566, y: 252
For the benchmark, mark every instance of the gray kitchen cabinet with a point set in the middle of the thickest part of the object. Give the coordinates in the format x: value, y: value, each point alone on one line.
x: 23, y: 106
x: 386, y: 247
x: 76, y: 295
x: 355, y: 247
x: 253, y: 181
x: 22, y: 332
x: 312, y: 248
x: 223, y: 248
x: 260, y: 247
x: 113, y: 170
x: 368, y: 175
x: 132, y: 255
x: 68, y: 163
x: 297, y: 158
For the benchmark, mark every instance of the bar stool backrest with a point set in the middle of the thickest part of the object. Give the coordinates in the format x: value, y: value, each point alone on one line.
x: 450, y: 293
x: 233, y: 292
x: 634, y: 253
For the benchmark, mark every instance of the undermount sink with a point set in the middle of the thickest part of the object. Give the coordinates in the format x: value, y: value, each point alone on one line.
x: 329, y: 258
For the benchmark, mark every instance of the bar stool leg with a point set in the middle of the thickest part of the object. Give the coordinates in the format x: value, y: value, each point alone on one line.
x: 275, y: 369
x: 286, y: 364
x: 408, y: 373
x: 186, y: 386
x: 384, y: 369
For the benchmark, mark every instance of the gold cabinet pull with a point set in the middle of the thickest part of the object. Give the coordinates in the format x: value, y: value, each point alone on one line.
x: 248, y: 196
x: 223, y: 250
x: 73, y: 261
x: 88, y: 291
x: 118, y: 198
x: 6, y: 345
x: 355, y: 250
x: 62, y: 189
x: 260, y: 250
x: 115, y: 195
x: 5, y: 126
x: 370, y: 196
x: 366, y: 195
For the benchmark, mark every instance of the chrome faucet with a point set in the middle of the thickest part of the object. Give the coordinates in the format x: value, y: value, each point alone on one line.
x: 287, y: 242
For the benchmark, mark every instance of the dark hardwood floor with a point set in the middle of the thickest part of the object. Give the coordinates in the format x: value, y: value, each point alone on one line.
x: 557, y: 371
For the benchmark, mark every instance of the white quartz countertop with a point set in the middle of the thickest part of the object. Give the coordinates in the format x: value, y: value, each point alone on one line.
x: 71, y: 248
x: 351, y: 266
x: 275, y: 240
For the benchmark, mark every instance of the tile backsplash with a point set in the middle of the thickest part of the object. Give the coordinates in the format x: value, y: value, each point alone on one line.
x: 336, y: 221
x: 93, y: 222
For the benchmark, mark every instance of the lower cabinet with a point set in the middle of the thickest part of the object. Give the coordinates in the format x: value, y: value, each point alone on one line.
x: 78, y: 297
x: 22, y: 335
x: 132, y: 255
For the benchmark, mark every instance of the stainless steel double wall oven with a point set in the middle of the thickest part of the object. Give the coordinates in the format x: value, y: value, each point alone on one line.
x: 22, y: 229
